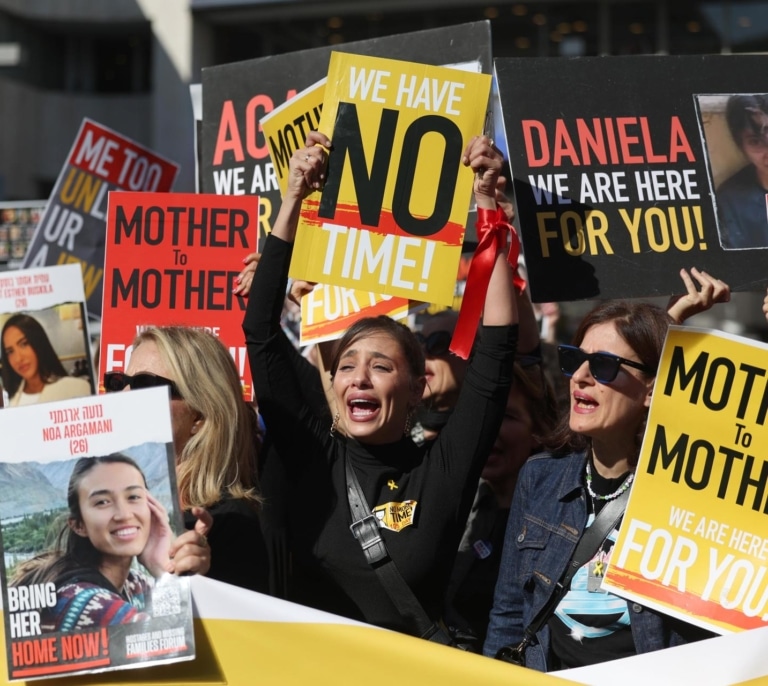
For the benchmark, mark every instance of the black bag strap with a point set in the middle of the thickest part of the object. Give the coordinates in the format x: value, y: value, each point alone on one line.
x: 605, y: 521
x: 365, y: 528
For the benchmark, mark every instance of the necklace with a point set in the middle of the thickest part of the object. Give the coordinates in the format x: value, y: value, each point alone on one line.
x: 611, y: 496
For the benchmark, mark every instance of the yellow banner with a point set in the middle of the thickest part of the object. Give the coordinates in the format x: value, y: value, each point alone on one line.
x: 243, y: 637
x: 392, y: 215
x: 694, y: 541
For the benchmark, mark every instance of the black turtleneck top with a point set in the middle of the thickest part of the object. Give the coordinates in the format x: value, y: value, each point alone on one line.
x: 439, y: 479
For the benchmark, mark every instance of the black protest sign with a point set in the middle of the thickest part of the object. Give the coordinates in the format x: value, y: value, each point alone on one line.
x: 616, y: 164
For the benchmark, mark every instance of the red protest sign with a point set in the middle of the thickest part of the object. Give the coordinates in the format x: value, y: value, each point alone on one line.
x: 173, y: 258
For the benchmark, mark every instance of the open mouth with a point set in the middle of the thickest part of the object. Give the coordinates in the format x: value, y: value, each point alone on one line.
x: 584, y: 402
x: 362, y: 409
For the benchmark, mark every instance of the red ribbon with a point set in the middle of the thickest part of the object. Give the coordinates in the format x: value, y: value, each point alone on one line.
x: 491, y: 225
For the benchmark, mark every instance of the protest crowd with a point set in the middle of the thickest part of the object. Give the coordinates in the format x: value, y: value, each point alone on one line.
x: 460, y: 475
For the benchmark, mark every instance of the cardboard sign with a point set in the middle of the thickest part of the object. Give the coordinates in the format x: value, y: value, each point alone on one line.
x: 236, y: 97
x: 72, y: 227
x: 328, y: 311
x: 286, y: 127
x: 612, y: 177
x: 72, y: 618
x: 172, y: 258
x: 392, y: 214
x: 693, y: 540
x: 44, y: 324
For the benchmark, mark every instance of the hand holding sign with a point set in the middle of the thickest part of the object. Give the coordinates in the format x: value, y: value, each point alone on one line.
x: 307, y: 174
x: 713, y: 291
x: 190, y: 552
x: 308, y: 166
x: 485, y: 160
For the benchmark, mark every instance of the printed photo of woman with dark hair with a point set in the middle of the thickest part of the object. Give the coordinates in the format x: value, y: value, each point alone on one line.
x: 31, y: 370
x: 112, y: 522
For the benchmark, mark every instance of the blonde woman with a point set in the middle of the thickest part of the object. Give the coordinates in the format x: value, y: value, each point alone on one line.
x: 214, y: 441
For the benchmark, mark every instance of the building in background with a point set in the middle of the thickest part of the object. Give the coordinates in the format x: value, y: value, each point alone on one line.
x: 128, y: 64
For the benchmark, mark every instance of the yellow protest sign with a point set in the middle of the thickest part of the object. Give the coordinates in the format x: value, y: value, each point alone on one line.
x: 286, y: 127
x: 392, y: 214
x: 694, y: 541
x: 328, y: 311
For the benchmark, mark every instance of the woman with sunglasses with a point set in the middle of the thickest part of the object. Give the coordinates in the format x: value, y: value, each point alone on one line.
x: 215, y: 441
x: 590, y: 462
x: 417, y: 497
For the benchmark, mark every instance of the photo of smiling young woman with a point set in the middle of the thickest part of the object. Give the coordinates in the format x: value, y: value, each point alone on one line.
x: 32, y: 370
x: 114, y: 542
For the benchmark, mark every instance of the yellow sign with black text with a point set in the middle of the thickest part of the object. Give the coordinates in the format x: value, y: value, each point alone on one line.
x: 694, y: 540
x: 286, y: 127
x: 391, y: 217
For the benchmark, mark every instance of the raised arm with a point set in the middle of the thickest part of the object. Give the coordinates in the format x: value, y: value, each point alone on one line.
x: 285, y: 402
x: 307, y: 174
x: 709, y: 292
x: 500, y: 302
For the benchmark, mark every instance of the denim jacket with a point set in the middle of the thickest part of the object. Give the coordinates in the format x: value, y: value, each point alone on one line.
x: 548, y: 516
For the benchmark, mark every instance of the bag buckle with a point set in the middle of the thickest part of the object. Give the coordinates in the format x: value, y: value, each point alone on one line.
x: 367, y: 532
x: 514, y: 655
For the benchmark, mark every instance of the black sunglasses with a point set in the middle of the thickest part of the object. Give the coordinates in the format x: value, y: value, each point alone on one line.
x: 117, y: 381
x: 603, y: 366
x: 436, y: 344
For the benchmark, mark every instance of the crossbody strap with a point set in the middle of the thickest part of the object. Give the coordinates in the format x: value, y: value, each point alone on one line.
x: 590, y: 542
x: 365, y: 528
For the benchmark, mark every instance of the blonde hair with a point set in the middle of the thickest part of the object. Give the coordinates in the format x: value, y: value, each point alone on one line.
x: 221, y: 458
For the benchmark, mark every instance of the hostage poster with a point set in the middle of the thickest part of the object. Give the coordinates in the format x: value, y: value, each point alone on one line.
x: 173, y: 259
x: 693, y: 541
x: 46, y: 346
x: 88, y: 509
x: 392, y: 214
x: 235, y: 154
x: 622, y: 169
x: 72, y: 227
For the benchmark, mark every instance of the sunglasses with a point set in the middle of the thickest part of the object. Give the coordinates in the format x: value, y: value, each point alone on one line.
x: 602, y: 366
x: 436, y: 344
x: 117, y: 381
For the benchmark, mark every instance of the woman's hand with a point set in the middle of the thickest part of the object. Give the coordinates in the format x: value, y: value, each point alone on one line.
x: 190, y: 552
x: 485, y: 159
x: 713, y: 290
x: 245, y: 277
x: 308, y: 166
x: 307, y: 173
x: 299, y: 289
x: 155, y: 556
